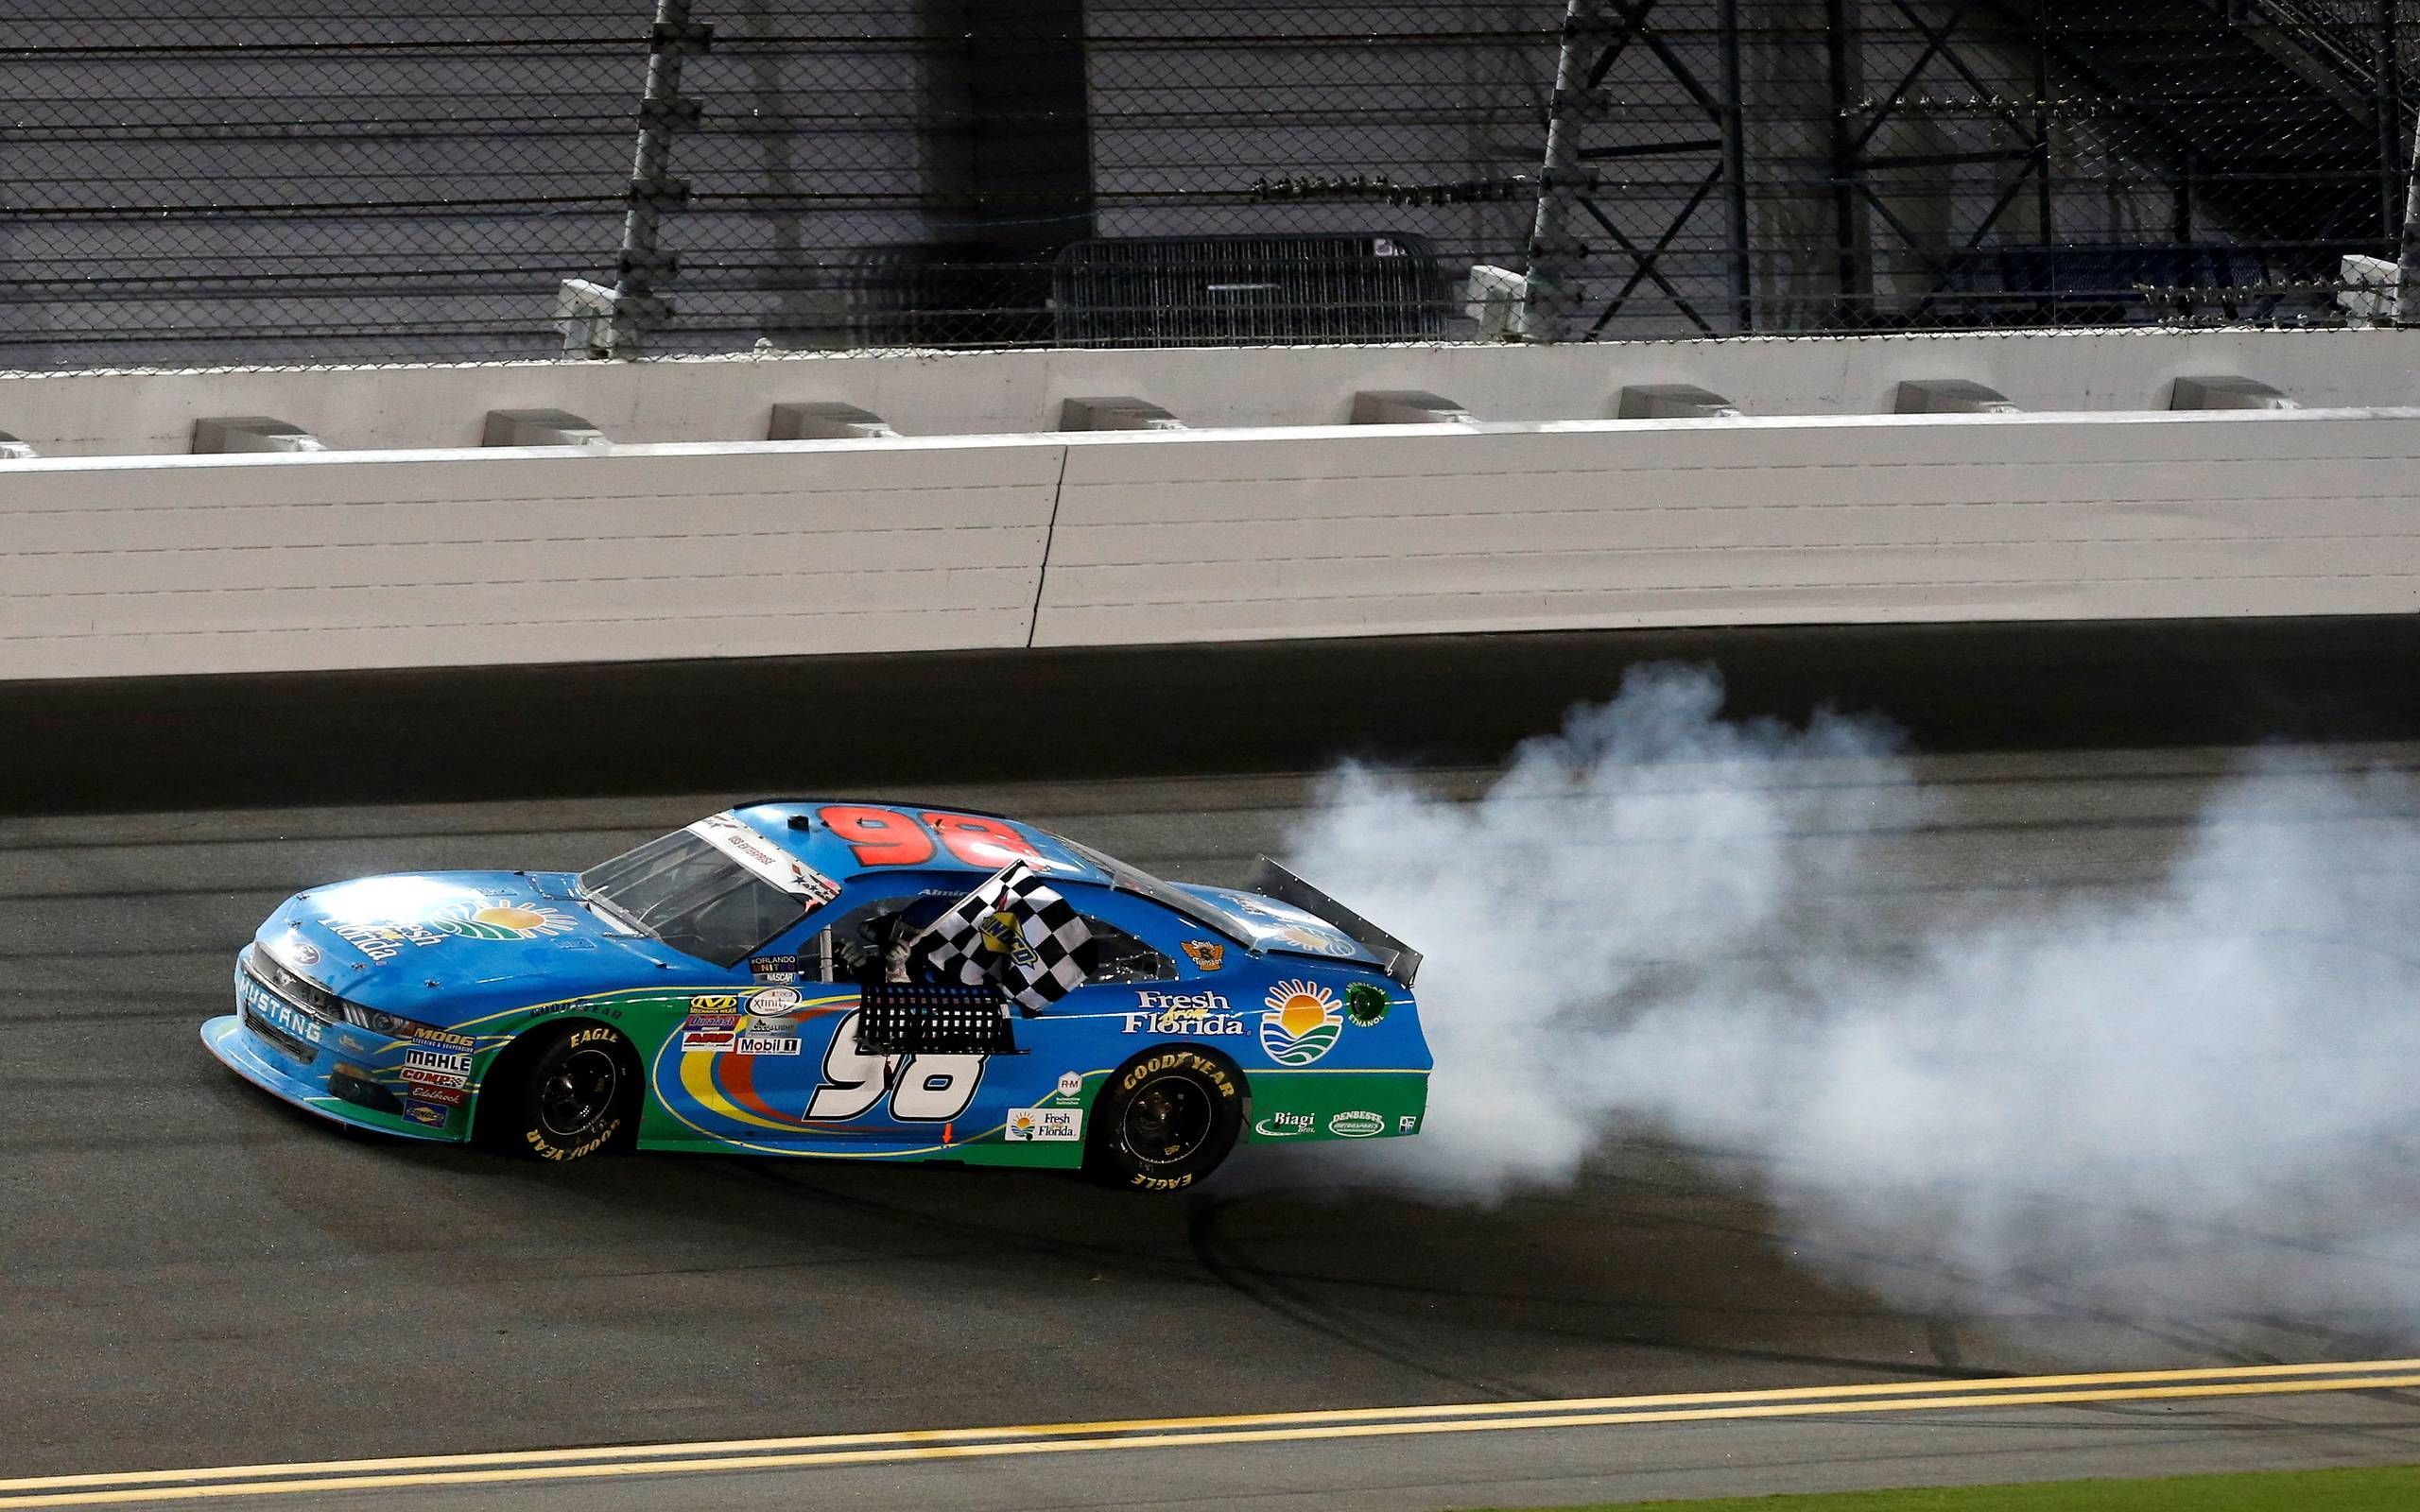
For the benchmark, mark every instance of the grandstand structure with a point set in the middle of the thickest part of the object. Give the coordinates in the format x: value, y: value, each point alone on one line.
x: 335, y: 180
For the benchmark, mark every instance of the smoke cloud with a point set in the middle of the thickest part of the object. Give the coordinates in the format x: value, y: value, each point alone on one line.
x: 1659, y: 922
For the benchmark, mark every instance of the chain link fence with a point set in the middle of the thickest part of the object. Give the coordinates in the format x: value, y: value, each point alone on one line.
x: 372, y: 180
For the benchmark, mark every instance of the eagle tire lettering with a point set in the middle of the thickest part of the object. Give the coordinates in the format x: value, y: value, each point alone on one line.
x: 562, y: 1092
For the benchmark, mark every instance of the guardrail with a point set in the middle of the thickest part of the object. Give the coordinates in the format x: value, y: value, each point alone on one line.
x: 263, y: 562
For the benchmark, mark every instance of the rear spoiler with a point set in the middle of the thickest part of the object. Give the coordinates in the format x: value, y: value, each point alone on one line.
x: 1399, y: 960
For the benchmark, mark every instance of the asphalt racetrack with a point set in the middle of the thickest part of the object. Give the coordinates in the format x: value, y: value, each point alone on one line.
x: 196, y: 1277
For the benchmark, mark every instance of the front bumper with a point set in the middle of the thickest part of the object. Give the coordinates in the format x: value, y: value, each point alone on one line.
x: 338, y: 1071
x: 240, y: 1052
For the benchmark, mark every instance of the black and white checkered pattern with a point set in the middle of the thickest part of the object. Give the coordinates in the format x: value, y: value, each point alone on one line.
x: 1014, y: 932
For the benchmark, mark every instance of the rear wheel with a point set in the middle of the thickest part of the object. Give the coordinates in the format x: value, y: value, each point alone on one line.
x: 574, y: 1093
x: 1166, y: 1122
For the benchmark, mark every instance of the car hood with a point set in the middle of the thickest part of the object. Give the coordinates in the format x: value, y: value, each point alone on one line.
x: 409, y: 943
x: 1281, y: 927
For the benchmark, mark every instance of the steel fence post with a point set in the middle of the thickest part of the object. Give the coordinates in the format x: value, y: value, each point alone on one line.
x: 643, y: 265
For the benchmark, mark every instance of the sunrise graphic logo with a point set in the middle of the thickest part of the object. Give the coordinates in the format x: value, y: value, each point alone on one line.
x: 1301, y: 1023
x: 502, y: 922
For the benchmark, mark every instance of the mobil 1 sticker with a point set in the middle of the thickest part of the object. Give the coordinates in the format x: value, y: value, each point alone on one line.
x: 765, y: 1045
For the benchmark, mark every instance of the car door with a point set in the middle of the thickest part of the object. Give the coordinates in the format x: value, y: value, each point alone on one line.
x: 1147, y: 987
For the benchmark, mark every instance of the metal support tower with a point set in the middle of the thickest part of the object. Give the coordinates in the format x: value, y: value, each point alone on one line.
x: 642, y: 264
x: 1583, y: 129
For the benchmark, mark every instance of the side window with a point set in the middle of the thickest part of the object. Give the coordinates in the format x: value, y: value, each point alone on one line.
x: 1124, y: 958
x: 858, y: 938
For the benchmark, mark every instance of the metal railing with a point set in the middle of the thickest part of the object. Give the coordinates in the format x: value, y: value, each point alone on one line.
x: 478, y: 179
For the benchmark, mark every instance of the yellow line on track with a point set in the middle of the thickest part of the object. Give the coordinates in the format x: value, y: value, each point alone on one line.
x: 1059, y: 1439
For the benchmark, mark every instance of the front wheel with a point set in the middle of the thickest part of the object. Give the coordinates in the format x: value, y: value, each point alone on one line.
x: 1166, y: 1122
x: 572, y: 1095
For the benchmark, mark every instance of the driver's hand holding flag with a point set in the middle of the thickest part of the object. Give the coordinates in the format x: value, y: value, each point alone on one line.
x: 1013, y: 932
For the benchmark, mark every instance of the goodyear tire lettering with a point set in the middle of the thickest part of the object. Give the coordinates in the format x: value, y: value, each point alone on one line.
x: 1172, y: 1159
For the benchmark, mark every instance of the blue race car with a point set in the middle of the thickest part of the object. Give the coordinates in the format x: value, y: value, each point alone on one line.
x: 855, y: 980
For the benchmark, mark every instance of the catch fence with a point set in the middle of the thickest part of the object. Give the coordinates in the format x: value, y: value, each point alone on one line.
x: 373, y: 180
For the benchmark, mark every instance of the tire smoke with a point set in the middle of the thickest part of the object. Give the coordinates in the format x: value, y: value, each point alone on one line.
x: 1661, y: 923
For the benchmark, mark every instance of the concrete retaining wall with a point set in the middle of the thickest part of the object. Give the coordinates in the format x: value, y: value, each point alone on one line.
x: 269, y: 563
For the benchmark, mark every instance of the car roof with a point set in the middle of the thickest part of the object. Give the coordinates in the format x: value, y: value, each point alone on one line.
x: 803, y: 828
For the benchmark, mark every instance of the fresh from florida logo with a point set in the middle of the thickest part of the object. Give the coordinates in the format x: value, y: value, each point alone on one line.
x: 501, y: 920
x: 1302, y: 1022
x: 1044, y: 1124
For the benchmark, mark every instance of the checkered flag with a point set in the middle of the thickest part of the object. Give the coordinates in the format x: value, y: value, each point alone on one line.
x: 1012, y: 933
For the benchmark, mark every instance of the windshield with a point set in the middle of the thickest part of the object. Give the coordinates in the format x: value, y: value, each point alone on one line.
x: 684, y: 891
x: 1167, y: 894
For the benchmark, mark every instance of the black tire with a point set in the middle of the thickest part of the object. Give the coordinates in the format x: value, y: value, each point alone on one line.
x: 571, y: 1092
x: 1166, y: 1119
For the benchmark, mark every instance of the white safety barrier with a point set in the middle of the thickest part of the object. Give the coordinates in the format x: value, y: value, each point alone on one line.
x: 245, y: 564
x: 1731, y: 522
x: 269, y: 561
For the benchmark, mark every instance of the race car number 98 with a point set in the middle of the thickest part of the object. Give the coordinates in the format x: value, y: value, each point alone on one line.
x: 928, y: 1089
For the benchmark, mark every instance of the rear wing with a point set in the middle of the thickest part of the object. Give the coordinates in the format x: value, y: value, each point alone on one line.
x: 1399, y: 960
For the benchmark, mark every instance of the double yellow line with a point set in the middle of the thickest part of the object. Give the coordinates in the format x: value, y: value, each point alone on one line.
x: 622, y: 1461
